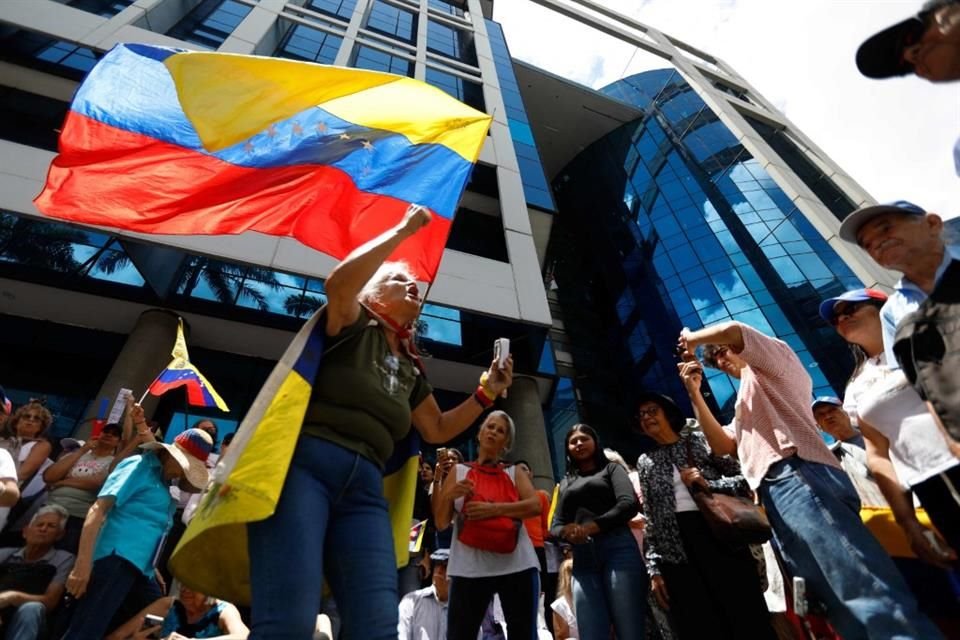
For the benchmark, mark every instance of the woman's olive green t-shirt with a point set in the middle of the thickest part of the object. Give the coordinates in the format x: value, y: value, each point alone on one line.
x: 363, y: 395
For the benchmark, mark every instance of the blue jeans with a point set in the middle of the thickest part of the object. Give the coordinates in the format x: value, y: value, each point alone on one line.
x: 610, y: 586
x: 331, y: 522
x: 27, y: 622
x: 815, y: 513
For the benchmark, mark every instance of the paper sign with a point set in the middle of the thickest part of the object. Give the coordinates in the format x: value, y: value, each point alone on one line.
x: 119, y: 405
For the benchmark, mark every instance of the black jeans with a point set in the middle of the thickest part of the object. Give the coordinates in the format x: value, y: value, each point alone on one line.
x: 939, y: 496
x: 469, y: 598
x: 716, y: 593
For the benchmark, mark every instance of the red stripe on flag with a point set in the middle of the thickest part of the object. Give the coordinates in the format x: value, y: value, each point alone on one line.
x: 157, y: 187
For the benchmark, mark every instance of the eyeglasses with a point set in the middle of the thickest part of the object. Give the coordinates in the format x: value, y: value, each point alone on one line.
x: 651, y: 411
x: 845, y: 310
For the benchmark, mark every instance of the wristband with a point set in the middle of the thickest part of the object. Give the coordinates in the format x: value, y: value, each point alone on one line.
x: 480, y: 395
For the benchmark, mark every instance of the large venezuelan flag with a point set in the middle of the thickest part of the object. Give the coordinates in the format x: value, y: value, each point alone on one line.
x: 212, y: 555
x: 165, y: 141
x: 182, y: 373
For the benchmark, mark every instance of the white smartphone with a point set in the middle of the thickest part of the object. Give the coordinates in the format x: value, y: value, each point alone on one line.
x: 501, y: 351
x: 800, y: 596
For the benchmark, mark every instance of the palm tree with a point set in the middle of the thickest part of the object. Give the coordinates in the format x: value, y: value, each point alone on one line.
x: 303, y: 305
x: 229, y: 282
x: 37, y: 243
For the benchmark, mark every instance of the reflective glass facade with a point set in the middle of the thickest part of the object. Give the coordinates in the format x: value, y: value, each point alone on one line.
x: 210, y: 22
x: 669, y: 222
x: 535, y: 186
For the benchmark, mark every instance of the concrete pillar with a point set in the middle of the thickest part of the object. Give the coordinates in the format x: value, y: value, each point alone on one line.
x: 144, y: 355
x: 523, y: 405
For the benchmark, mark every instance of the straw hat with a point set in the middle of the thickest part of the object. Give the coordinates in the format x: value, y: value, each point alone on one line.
x: 190, y: 449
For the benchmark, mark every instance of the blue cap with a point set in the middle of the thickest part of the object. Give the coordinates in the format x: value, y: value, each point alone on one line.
x: 852, y: 223
x: 856, y: 295
x: 835, y: 401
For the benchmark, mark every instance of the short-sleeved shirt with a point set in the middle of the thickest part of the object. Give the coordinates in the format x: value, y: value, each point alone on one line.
x: 773, y: 420
x: 364, y: 395
x: 141, y: 515
x: 906, y: 298
x: 8, y: 471
x: 61, y: 560
x: 75, y: 500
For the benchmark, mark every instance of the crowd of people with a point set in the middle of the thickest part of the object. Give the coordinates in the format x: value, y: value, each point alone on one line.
x: 751, y: 529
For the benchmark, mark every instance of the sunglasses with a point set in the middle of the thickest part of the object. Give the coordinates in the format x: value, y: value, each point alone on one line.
x: 847, y: 309
x: 32, y: 416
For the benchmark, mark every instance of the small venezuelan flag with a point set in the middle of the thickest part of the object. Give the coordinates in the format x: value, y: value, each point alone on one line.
x: 159, y: 140
x: 181, y: 373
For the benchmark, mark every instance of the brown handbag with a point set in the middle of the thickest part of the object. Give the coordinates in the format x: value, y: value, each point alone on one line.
x: 734, y: 521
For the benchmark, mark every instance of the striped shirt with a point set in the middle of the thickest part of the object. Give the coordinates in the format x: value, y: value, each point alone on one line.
x: 773, y: 419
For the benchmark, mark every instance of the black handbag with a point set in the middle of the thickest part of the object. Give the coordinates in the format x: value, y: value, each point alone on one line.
x: 734, y: 520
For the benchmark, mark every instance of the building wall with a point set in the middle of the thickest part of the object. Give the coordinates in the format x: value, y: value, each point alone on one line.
x: 47, y: 46
x: 69, y: 293
x: 670, y: 222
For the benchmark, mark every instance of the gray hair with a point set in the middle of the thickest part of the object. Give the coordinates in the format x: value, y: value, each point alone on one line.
x: 511, y: 427
x: 61, y: 513
x: 371, y: 291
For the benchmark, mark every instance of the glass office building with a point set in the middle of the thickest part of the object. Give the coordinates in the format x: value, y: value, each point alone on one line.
x: 668, y: 222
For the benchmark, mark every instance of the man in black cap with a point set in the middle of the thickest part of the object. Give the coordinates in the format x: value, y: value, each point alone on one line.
x: 927, y: 45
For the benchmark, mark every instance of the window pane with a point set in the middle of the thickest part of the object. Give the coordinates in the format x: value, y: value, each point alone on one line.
x: 392, y: 21
x: 376, y: 60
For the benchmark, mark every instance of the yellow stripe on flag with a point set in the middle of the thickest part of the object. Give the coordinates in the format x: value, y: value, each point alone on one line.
x: 229, y: 98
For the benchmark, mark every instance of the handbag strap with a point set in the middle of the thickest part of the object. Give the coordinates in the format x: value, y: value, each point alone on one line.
x: 691, y: 464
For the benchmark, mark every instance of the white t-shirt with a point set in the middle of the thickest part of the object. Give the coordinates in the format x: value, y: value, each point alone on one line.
x: 682, y: 494
x: 890, y: 405
x: 469, y: 562
x: 8, y: 471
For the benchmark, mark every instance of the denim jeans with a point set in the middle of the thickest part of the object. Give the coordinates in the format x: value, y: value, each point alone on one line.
x: 815, y: 513
x: 117, y: 590
x: 27, y: 622
x: 331, y: 522
x: 610, y: 586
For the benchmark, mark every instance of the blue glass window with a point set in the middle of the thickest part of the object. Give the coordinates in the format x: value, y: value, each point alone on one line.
x: 339, y: 8
x: 451, y: 42
x: 376, y: 60
x: 466, y: 91
x: 54, y: 247
x: 306, y: 43
x: 105, y: 8
x: 210, y: 22
x: 447, y: 6
x: 46, y: 54
x: 392, y: 21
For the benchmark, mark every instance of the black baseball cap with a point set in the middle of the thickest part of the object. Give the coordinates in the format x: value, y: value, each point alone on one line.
x: 881, y: 55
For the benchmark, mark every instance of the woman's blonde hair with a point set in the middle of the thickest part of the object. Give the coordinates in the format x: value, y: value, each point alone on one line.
x: 565, y: 579
x: 511, y: 427
x: 371, y: 292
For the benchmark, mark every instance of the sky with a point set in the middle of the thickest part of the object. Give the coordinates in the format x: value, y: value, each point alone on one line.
x: 894, y: 137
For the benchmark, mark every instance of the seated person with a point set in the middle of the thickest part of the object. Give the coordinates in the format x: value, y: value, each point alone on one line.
x: 190, y: 615
x: 423, y: 613
x: 32, y: 578
x: 75, y: 478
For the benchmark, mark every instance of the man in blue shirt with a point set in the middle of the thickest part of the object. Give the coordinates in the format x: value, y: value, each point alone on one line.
x: 903, y: 237
x: 125, y: 530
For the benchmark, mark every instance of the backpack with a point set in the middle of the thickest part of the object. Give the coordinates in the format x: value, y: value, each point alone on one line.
x: 927, y: 346
x: 498, y: 534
